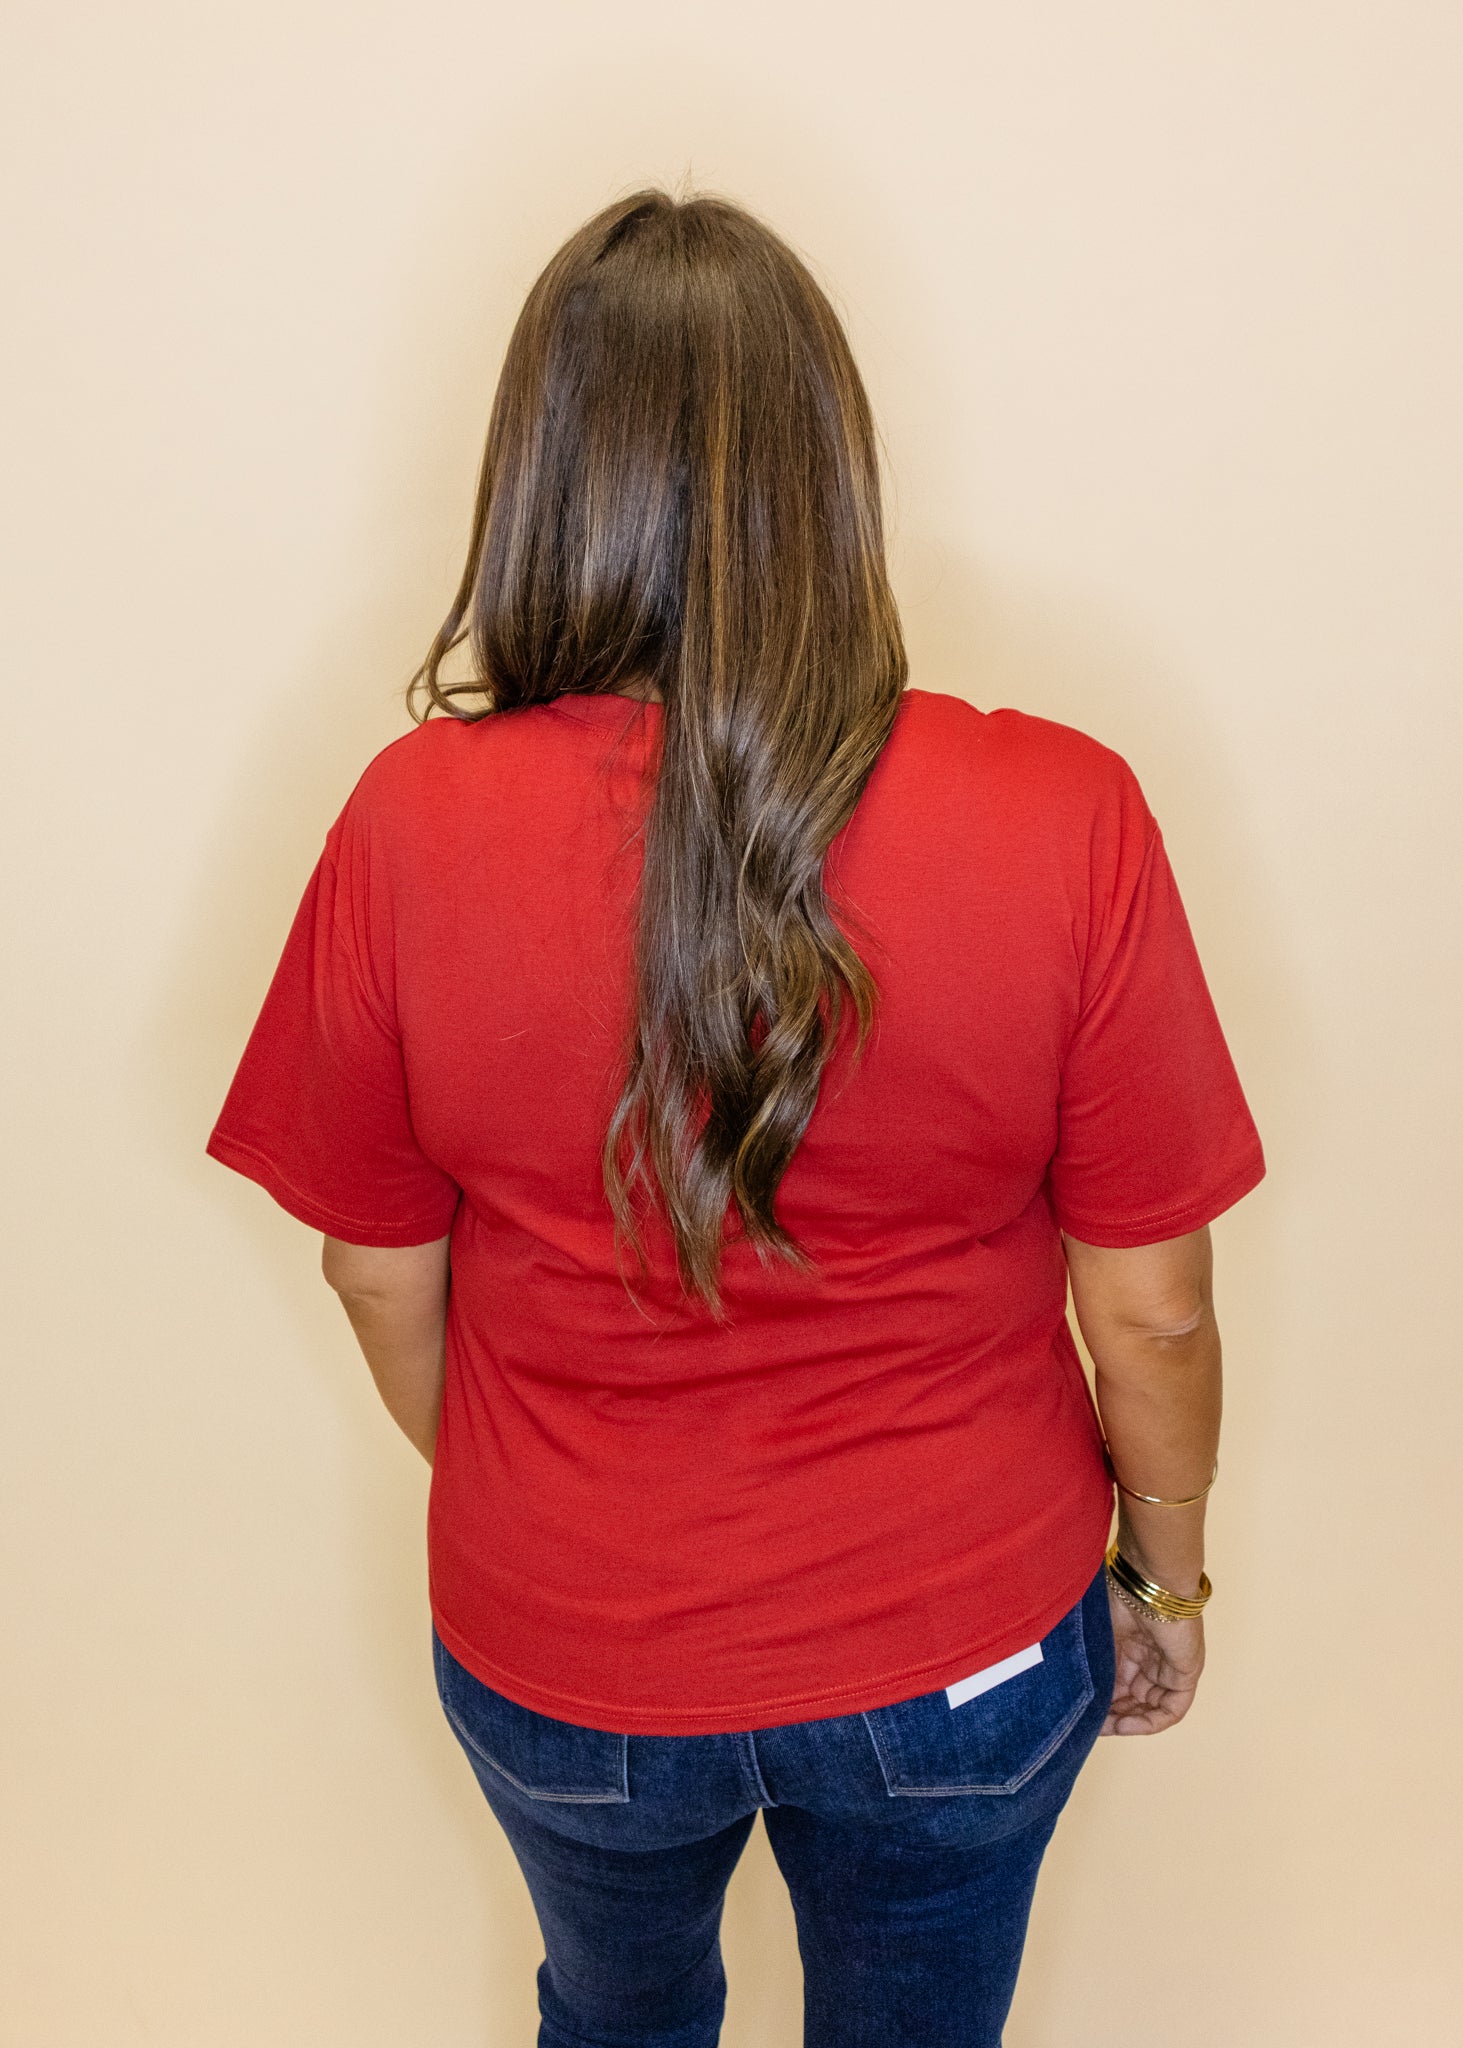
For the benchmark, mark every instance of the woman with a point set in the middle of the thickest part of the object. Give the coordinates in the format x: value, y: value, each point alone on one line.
x: 759, y: 1046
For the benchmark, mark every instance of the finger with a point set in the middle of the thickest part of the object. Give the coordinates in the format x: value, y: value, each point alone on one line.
x: 1146, y: 1713
x: 1139, y: 1721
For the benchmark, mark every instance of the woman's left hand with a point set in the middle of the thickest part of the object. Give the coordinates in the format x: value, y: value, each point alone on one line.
x: 1158, y: 1670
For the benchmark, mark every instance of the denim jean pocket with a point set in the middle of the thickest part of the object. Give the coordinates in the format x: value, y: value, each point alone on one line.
x: 541, y: 1757
x: 995, y: 1742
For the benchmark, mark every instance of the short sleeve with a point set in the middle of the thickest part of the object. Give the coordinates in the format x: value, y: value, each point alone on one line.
x: 318, y: 1112
x: 1155, y: 1136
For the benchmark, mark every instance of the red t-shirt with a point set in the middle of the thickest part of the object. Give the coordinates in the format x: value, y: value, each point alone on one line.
x: 883, y: 1475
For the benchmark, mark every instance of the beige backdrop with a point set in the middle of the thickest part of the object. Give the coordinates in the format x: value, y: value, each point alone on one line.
x: 1160, y: 308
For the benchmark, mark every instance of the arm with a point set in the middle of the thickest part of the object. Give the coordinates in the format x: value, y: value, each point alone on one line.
x: 1147, y: 1318
x: 396, y: 1299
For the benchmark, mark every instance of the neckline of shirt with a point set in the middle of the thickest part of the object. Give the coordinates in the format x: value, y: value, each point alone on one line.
x: 591, y: 709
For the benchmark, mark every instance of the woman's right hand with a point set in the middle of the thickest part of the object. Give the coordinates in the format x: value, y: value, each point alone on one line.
x: 1158, y: 1670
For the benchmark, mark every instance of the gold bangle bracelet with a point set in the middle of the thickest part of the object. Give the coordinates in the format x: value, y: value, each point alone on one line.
x: 1156, y: 1501
x: 1138, y: 1591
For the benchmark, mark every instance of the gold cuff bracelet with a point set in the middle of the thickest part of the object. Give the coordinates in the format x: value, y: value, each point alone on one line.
x: 1156, y: 1501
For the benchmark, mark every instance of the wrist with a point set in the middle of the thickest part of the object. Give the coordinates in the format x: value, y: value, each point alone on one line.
x: 1135, y: 1589
x: 1170, y: 1556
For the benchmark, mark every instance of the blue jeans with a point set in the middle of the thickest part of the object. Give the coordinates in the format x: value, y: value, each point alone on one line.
x: 909, y: 1837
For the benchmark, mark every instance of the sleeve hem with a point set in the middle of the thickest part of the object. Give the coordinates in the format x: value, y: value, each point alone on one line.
x: 260, y: 1168
x: 1160, y: 1224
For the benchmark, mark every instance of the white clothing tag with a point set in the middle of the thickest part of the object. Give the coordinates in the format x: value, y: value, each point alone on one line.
x: 994, y: 1674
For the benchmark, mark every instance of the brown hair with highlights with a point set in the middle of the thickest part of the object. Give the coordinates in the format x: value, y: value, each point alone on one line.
x: 680, y: 492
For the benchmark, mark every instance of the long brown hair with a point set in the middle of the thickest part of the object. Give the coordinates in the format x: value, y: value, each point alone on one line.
x: 681, y: 487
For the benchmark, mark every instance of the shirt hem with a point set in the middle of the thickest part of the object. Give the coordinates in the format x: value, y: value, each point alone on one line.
x: 887, y: 1690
